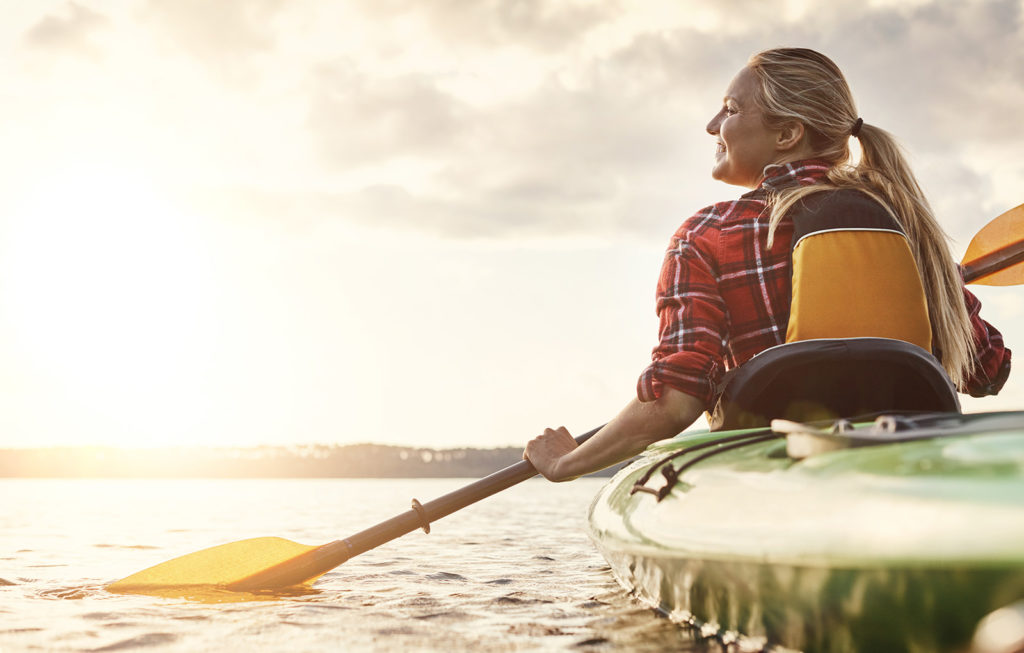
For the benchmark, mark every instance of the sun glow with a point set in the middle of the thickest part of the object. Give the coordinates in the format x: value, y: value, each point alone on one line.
x: 106, y: 295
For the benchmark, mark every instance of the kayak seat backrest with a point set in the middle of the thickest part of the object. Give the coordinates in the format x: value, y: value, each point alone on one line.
x: 831, y: 378
x: 853, y: 273
x: 858, y: 339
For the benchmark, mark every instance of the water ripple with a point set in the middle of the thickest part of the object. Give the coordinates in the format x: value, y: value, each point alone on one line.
x: 142, y: 641
x: 445, y: 575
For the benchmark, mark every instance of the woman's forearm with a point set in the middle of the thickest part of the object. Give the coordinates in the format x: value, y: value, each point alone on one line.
x: 639, y: 424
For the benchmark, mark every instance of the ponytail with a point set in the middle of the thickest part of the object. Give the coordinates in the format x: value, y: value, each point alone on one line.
x: 803, y: 85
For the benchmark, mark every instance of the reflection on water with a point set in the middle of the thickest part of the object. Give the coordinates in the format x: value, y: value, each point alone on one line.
x: 512, y: 573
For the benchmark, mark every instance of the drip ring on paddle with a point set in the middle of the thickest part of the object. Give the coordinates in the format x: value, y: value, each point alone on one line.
x: 421, y: 511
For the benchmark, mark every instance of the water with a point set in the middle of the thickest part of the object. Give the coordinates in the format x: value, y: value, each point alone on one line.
x: 515, y: 572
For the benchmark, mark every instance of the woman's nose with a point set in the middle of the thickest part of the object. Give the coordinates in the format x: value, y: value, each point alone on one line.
x: 713, y: 125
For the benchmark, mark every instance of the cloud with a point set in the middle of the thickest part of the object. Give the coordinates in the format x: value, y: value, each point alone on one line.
x: 69, y: 31
x: 215, y: 31
x: 358, y: 119
x: 947, y: 73
x: 963, y: 212
x: 544, y: 24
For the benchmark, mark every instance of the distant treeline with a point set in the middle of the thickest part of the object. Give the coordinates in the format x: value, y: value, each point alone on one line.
x: 309, y: 461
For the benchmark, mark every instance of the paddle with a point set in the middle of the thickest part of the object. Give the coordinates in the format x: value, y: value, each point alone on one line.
x: 273, y: 563
x: 995, y: 256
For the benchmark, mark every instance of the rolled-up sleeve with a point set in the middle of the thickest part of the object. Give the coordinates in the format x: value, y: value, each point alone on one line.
x: 992, y: 358
x: 691, y: 312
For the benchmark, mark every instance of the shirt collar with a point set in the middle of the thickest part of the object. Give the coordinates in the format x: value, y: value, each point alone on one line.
x: 784, y: 175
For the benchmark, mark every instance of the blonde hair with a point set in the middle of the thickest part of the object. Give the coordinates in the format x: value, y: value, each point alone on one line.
x: 806, y: 86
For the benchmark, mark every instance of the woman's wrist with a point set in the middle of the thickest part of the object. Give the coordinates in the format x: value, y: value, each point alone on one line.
x: 562, y: 469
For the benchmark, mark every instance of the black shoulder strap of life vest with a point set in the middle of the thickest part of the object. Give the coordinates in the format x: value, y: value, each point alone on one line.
x: 839, y: 209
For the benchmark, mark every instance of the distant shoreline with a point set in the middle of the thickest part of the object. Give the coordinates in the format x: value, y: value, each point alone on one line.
x: 304, y: 461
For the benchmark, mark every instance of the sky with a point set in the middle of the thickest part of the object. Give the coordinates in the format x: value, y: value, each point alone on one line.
x: 431, y: 223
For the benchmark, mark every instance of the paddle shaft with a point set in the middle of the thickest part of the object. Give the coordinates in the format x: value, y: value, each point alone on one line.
x: 993, y: 262
x: 324, y: 558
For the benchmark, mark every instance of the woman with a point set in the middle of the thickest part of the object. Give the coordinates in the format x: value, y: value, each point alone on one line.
x: 724, y: 290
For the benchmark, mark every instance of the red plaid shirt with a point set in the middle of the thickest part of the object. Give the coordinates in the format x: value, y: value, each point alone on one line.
x: 724, y: 296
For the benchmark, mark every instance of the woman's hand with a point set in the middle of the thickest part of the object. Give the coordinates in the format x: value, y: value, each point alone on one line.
x: 547, y: 450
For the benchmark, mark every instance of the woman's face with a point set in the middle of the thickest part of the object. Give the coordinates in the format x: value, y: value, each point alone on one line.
x: 745, y: 145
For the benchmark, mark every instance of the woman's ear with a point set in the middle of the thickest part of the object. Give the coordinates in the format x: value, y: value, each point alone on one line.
x: 791, y: 135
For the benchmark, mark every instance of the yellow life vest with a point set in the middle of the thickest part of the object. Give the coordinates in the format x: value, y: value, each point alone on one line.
x: 854, y: 274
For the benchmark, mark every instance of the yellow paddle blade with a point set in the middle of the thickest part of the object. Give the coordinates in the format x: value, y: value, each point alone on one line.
x: 996, y: 254
x: 216, y: 567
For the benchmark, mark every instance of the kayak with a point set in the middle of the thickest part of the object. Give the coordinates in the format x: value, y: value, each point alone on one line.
x: 895, y: 534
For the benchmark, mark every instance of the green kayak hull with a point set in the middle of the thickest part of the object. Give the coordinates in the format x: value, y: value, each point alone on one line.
x: 892, y: 547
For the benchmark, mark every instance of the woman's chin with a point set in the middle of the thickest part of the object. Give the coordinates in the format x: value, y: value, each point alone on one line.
x: 718, y: 171
x: 723, y: 173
